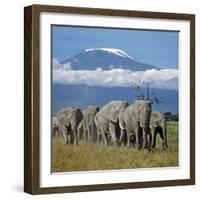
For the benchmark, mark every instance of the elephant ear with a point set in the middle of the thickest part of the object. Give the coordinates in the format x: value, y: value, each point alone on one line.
x: 113, y: 117
x: 111, y: 111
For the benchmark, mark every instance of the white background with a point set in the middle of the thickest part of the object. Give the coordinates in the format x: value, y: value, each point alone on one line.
x: 11, y: 106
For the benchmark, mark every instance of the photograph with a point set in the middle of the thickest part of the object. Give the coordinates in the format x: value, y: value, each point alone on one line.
x: 114, y: 98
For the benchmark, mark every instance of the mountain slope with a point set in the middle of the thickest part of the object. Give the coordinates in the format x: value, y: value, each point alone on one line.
x: 105, y: 58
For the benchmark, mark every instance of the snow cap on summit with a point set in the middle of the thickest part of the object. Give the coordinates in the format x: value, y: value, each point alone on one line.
x: 118, y: 52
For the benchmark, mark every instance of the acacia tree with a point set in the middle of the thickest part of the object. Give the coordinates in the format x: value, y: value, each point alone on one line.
x: 144, y: 92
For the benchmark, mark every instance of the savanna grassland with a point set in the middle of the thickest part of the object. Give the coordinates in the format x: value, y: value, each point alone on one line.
x: 97, y: 157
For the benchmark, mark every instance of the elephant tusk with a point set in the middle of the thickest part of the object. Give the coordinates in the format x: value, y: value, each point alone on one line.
x: 80, y: 125
x: 120, y: 125
x: 141, y: 124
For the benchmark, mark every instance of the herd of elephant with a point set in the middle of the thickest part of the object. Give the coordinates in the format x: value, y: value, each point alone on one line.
x: 116, y: 123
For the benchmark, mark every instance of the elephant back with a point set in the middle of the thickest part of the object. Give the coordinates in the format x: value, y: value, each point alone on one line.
x: 143, y: 104
x: 77, y: 114
x: 84, y: 112
x: 62, y: 116
x: 112, y: 109
x: 93, y: 109
x: 66, y: 115
x: 91, y: 112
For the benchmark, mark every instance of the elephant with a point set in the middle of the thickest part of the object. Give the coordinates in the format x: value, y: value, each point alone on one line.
x: 55, y: 131
x: 135, y: 120
x: 87, y: 127
x: 107, y: 122
x: 102, y: 124
x: 69, y: 119
x: 158, y: 125
x: 80, y: 127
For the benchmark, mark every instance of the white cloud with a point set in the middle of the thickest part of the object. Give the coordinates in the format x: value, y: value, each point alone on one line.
x: 56, y: 64
x: 164, y: 78
x: 99, y: 69
x: 67, y: 66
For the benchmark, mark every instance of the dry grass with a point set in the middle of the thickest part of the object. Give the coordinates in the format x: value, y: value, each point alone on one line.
x: 95, y: 157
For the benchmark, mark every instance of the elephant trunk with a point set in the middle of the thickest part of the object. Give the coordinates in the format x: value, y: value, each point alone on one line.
x: 145, y: 125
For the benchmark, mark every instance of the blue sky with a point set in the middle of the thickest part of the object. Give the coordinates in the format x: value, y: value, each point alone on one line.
x: 159, y: 48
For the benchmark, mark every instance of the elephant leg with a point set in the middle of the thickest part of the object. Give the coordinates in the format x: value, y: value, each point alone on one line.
x: 83, y: 135
x: 64, y: 134
x: 109, y: 139
x: 98, y: 136
x: 75, y: 134
x: 70, y: 138
x: 57, y: 132
x: 137, y: 141
x: 98, y: 139
x: 137, y: 137
x: 93, y: 137
x: 112, y: 130
x: 153, y: 141
x: 103, y: 134
x: 54, y: 132
x: 75, y: 138
x: 149, y: 139
x: 61, y: 134
x: 122, y: 136
x: 80, y: 131
x: 79, y: 134
x: 105, y: 141
x: 128, y: 139
x: 88, y: 134
x: 165, y: 136
x: 133, y: 140
x: 93, y: 132
x: 144, y: 137
x: 160, y: 132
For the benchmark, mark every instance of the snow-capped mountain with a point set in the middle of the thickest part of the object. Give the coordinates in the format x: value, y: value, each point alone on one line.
x: 106, y: 59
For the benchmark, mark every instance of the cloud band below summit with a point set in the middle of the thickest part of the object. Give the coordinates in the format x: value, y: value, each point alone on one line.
x: 163, y: 78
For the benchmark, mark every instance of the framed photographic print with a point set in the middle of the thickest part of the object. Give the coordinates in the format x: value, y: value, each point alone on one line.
x: 109, y: 99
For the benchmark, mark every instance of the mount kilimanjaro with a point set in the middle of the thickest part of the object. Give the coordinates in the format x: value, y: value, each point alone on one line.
x: 106, y: 59
x: 81, y: 95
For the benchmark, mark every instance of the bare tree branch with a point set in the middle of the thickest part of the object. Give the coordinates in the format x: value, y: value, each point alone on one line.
x: 144, y: 93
